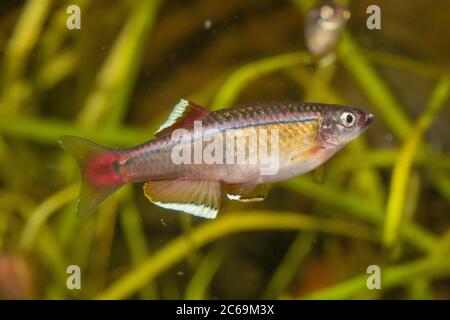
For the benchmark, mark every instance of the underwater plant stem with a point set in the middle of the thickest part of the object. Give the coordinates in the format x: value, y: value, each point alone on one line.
x: 15, y: 87
x: 402, y: 169
x: 116, y: 78
x: 131, y: 223
x: 392, y: 276
x: 48, y: 131
x: 193, y: 258
x: 378, y: 93
x: 358, y: 65
x: 369, y: 158
x: 103, y: 239
x: 4, y: 221
x: 45, y: 245
x: 420, y: 289
x: 386, y: 158
x: 204, y: 274
x: 228, y: 224
x: 407, y: 64
x: 357, y: 207
x: 283, y: 275
x: 60, y: 67
x: 442, y: 249
x: 243, y: 75
x: 44, y: 211
x: 319, y: 82
x: 25, y: 36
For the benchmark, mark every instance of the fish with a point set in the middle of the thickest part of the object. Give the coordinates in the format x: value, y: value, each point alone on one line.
x: 323, y: 26
x: 199, y: 155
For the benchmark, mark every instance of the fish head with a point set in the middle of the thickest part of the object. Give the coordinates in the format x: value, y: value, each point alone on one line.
x: 329, y: 16
x: 340, y: 125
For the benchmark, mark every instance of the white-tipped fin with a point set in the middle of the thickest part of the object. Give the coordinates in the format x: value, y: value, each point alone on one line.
x: 247, y: 192
x: 176, y: 113
x: 183, y: 114
x: 197, y: 197
x: 199, y: 210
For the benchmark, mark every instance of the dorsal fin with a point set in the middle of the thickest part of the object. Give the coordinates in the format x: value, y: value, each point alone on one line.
x: 182, y: 116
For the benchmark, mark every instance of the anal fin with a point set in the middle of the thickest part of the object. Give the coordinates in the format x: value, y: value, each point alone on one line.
x: 247, y: 192
x: 197, y: 197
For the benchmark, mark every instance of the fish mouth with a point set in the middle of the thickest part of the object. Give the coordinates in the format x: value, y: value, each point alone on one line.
x: 369, y: 119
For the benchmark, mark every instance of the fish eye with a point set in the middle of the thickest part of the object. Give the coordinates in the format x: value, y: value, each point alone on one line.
x: 347, y: 119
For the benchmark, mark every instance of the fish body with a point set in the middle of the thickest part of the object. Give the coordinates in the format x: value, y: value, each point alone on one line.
x: 296, y: 123
x: 198, y: 154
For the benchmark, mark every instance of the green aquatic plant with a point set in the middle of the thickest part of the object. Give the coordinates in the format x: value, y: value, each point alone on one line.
x: 402, y: 168
x: 232, y: 223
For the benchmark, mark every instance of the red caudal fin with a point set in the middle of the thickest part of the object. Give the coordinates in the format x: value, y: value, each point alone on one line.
x: 100, y: 174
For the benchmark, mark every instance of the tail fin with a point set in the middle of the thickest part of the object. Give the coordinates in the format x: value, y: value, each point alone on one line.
x: 99, y: 172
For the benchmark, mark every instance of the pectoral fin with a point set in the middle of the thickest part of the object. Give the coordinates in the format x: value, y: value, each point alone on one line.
x: 319, y: 174
x: 307, y: 153
x: 197, y: 197
x: 247, y: 192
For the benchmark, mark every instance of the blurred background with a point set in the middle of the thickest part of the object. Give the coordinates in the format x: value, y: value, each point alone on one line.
x: 383, y: 200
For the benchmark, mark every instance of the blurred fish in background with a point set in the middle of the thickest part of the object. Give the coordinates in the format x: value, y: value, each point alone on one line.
x: 323, y: 26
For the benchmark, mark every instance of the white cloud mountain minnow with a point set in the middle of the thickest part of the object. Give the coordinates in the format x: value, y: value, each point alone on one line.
x: 323, y: 26
x: 291, y: 138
